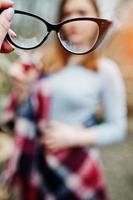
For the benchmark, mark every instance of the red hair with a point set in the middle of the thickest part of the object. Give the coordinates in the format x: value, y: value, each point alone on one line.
x: 57, y: 57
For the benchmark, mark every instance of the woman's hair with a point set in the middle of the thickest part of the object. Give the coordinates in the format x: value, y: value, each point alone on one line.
x: 63, y: 2
x: 57, y: 57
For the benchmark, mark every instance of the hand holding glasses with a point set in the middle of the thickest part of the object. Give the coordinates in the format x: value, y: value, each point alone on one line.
x: 32, y: 31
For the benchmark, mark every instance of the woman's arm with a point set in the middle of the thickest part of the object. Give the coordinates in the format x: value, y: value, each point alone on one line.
x: 114, y: 128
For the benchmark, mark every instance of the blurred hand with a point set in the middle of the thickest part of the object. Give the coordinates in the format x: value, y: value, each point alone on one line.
x: 22, y: 90
x: 59, y: 136
x: 5, y: 22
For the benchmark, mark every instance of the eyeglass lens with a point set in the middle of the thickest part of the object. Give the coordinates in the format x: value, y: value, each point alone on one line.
x: 29, y: 30
x: 79, y: 36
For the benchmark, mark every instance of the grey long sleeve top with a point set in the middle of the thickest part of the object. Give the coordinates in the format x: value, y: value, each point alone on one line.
x: 77, y: 92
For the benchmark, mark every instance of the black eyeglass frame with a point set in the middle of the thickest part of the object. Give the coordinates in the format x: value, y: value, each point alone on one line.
x: 103, y: 25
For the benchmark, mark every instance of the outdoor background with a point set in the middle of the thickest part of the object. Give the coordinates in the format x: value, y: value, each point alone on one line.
x: 117, y: 159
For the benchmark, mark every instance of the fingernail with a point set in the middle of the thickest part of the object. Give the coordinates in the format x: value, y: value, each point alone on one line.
x: 9, y: 13
x: 11, y: 1
x: 12, y: 34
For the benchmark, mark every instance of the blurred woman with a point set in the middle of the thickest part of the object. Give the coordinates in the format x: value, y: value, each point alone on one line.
x: 62, y: 162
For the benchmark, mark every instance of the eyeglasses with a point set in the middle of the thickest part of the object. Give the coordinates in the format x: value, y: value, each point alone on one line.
x: 77, y: 35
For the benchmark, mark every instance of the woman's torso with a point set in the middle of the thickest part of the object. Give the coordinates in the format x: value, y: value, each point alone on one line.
x: 75, y: 95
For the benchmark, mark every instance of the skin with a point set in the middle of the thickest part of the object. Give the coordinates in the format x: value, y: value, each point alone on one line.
x: 79, y: 32
x: 4, y: 27
x: 22, y: 81
x: 22, y: 89
x: 57, y: 135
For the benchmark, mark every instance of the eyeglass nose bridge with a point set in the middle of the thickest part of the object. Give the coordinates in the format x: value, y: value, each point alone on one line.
x: 53, y: 27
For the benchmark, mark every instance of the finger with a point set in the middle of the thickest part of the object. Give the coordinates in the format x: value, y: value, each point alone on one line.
x: 50, y: 130
x: 52, y: 148
x: 50, y: 137
x: 49, y: 142
x: 6, y: 3
x: 6, y: 47
x: 5, y: 21
x: 49, y: 147
x: 45, y: 139
x: 52, y: 124
x: 47, y: 129
x: 55, y: 123
x: 12, y: 34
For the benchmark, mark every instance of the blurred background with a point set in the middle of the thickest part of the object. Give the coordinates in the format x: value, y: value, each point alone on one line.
x: 118, y: 158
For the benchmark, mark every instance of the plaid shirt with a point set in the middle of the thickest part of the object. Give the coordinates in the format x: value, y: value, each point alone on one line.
x: 35, y: 173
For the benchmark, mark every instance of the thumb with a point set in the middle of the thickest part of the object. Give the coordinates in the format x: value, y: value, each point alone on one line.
x: 5, y: 21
